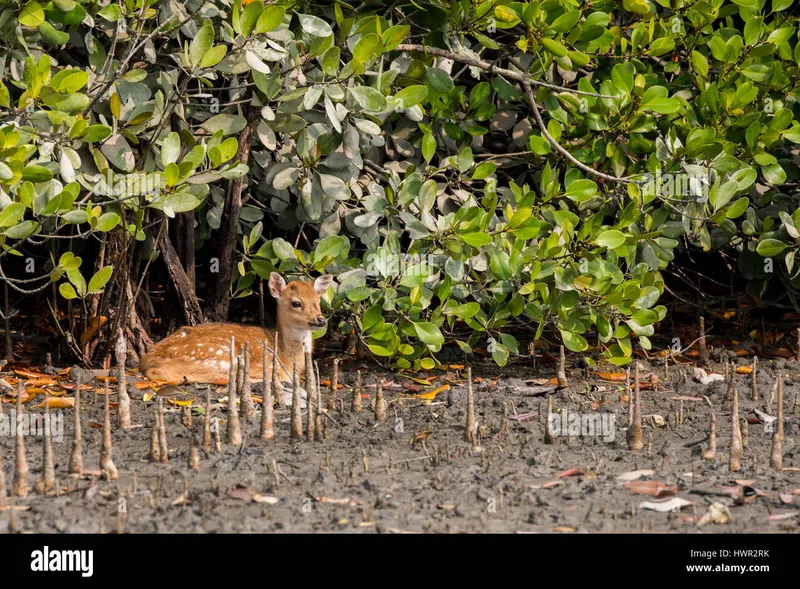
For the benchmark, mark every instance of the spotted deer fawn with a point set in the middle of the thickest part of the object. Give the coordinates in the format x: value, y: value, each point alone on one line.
x: 202, y: 353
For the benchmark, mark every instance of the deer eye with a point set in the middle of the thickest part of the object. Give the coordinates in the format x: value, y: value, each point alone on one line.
x: 297, y: 304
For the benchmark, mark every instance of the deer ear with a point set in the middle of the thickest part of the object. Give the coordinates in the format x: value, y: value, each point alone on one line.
x: 322, y: 283
x: 276, y: 285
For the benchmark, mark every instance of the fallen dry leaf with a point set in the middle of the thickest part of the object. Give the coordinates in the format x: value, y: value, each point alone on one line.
x: 781, y: 516
x: 654, y: 488
x: 58, y: 402
x: 29, y: 374
x: 571, y: 472
x: 633, y: 475
x: 522, y: 416
x: 70, y: 386
x: 169, y: 391
x: 41, y: 382
x: 703, y: 377
x: 671, y: 504
x: 552, y: 484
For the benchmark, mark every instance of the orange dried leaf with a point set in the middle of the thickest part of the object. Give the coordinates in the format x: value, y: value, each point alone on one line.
x: 611, y: 376
x: 70, y: 386
x: 654, y: 488
x: 744, y: 369
x: 571, y: 472
x: 41, y: 382
x: 58, y: 403
x: 431, y: 395
x: 29, y: 374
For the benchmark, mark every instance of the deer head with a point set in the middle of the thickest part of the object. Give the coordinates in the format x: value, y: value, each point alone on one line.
x: 298, y: 302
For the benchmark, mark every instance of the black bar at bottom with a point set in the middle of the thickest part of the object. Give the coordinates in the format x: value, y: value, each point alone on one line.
x: 225, y: 558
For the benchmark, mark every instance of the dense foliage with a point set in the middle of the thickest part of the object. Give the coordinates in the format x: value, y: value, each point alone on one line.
x: 463, y: 167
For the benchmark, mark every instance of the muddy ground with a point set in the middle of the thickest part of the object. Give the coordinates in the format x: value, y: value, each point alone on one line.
x: 368, y: 477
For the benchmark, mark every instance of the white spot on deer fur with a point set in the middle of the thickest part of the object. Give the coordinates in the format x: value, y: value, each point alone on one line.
x: 219, y: 352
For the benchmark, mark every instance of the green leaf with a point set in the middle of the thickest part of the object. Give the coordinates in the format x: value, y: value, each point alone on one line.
x: 428, y: 147
x: 70, y: 80
x: 34, y: 173
x: 663, y: 106
x: 77, y: 280
x: 367, y: 47
x: 270, y: 19
x: 610, y: 239
x: 369, y: 98
x: 283, y: 249
x: 499, y: 354
x: 314, y: 26
x: 213, y: 56
x: 201, y: 44
x: 67, y: 291
x: 393, y: 36
x: 484, y: 170
x: 411, y: 95
x: 429, y: 334
x: 32, y: 15
x: 699, y: 63
x: 554, y: 47
x: 95, y: 133
x: 737, y: 208
x: 11, y: 214
x: 249, y: 16
x: 99, y: 280
x: 330, y: 61
x: 170, y: 148
x: 230, y: 124
x: 107, y: 221
x: 769, y: 248
x: 477, y: 238
x: 439, y: 80
x: 51, y: 35
x: 574, y: 342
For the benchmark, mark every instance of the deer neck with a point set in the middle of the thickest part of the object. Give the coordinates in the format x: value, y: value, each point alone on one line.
x: 293, y: 342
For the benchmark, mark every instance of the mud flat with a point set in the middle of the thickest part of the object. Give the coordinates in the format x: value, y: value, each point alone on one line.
x: 414, y: 472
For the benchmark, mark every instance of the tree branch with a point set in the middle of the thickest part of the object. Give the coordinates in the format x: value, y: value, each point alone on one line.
x: 492, y: 69
x: 543, y: 128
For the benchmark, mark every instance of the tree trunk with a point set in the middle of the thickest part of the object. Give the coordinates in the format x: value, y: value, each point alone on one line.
x: 219, y: 300
x: 182, y: 231
x: 183, y: 288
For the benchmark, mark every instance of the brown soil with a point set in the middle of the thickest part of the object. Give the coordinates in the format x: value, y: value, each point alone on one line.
x: 367, y: 476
